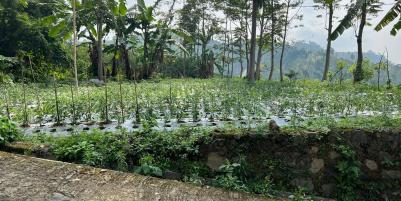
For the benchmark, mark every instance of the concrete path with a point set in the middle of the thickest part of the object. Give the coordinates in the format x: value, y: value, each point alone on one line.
x: 25, y: 178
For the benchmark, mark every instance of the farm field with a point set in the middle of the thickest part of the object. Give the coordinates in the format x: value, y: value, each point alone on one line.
x: 295, y: 100
x: 170, y: 104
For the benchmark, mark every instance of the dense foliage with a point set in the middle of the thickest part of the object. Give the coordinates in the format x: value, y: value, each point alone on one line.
x: 8, y: 131
x: 107, y: 39
x: 25, y: 41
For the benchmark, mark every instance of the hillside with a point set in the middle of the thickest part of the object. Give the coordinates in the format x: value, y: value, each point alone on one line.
x: 307, y: 59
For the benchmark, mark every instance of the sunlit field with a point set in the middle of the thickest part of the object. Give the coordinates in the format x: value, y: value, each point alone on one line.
x: 169, y: 104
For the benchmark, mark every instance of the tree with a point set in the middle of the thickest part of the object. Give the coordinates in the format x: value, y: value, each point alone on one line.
x: 273, y: 20
x: 74, y: 28
x: 206, y: 34
x: 276, y: 26
x: 99, y: 13
x: 261, y: 41
x: 359, y: 9
x: 367, y: 70
x: 146, y: 19
x: 22, y: 30
x: 287, y: 20
x: 379, y: 67
x: 100, y: 8
x: 189, y: 21
x: 255, y: 7
x: 329, y: 5
x: 234, y: 11
x: 292, y: 75
x: 159, y: 37
x: 340, y: 66
x: 63, y: 24
x: 238, y: 34
x: 123, y: 25
x: 200, y: 25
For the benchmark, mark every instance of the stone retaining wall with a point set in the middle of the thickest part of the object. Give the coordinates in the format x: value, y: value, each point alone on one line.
x: 313, y: 160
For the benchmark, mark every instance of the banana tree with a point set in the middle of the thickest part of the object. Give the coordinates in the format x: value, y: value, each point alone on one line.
x: 205, y: 36
x: 147, y: 21
x: 123, y: 25
x: 99, y: 13
x: 391, y: 15
x: 158, y: 37
x: 359, y: 10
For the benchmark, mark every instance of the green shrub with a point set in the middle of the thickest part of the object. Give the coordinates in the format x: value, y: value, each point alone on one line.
x: 349, y: 173
x: 96, y: 148
x: 148, y: 168
x: 8, y: 131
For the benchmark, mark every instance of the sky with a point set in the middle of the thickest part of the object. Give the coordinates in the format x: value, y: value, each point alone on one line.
x: 314, y: 30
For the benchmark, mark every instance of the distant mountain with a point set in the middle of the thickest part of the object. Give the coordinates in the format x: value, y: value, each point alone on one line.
x: 307, y: 59
x: 351, y: 56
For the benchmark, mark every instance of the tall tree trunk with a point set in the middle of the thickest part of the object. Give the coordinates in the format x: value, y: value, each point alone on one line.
x: 224, y: 48
x: 261, y: 43
x: 240, y: 57
x: 246, y: 40
x: 185, y: 63
x: 100, y: 71
x: 197, y: 42
x: 358, y: 73
x: 114, y: 69
x: 272, y: 41
x: 211, y: 64
x: 204, y: 46
x: 114, y: 66
x: 328, y: 48
x: 388, y: 71
x: 228, y: 55
x: 284, y: 41
x: 251, y: 74
x: 93, y: 57
x: 128, y: 71
x: 128, y: 68
x: 232, y: 51
x: 204, y: 65
x: 145, y: 52
x: 74, y: 27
